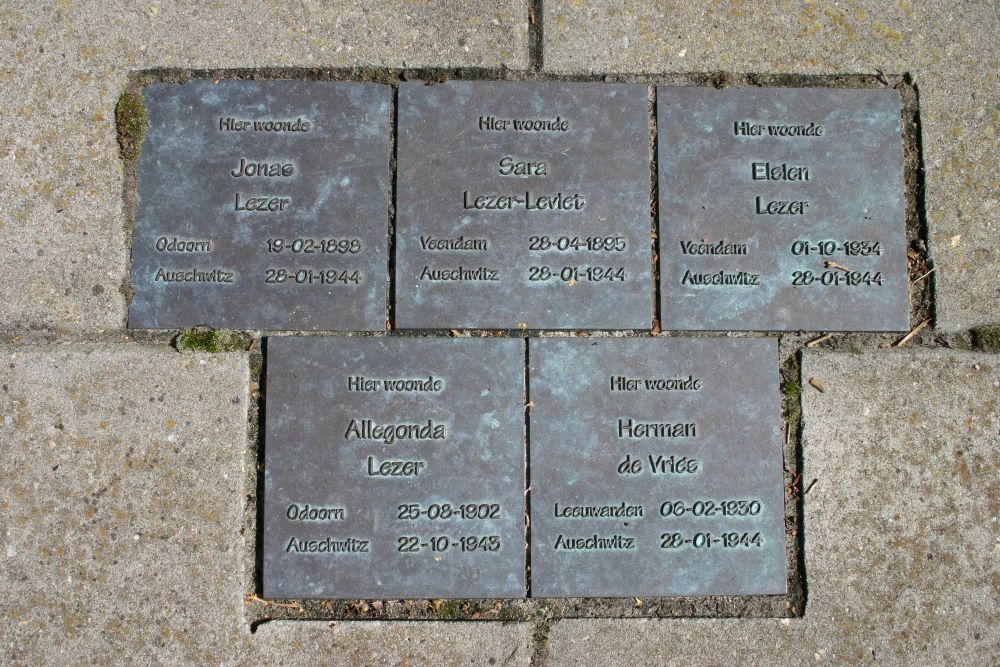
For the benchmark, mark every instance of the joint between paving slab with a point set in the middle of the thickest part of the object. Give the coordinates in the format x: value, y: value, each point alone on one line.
x: 540, y: 641
x: 536, y: 35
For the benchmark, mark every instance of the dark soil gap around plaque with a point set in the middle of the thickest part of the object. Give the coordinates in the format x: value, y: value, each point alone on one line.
x: 130, y: 103
x: 432, y: 75
x: 527, y: 470
x: 258, y: 409
x: 922, y: 280
x: 390, y: 284
x: 654, y: 210
x: 795, y: 485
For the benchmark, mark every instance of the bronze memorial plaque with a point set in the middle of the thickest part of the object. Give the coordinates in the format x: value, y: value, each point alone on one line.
x: 262, y: 205
x: 394, y: 468
x: 781, y: 209
x: 523, y: 205
x: 656, y: 467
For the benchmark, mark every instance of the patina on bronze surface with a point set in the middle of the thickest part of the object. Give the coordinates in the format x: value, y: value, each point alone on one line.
x: 394, y: 468
x: 781, y: 209
x: 262, y: 205
x: 656, y: 467
x: 523, y: 205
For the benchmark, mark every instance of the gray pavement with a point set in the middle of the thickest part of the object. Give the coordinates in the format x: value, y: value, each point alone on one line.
x: 125, y: 467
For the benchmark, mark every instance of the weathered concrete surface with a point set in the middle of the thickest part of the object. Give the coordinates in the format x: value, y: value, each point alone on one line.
x: 393, y: 643
x: 950, y: 48
x: 65, y: 64
x: 901, y: 526
x: 122, y: 500
x: 121, y: 509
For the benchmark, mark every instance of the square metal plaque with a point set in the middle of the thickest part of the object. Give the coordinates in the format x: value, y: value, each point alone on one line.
x: 262, y: 205
x: 523, y: 205
x: 781, y: 209
x: 394, y: 468
x: 656, y: 467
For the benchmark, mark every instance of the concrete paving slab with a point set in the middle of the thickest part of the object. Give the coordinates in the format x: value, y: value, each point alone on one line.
x: 950, y: 49
x: 393, y: 643
x: 122, y: 499
x: 901, y: 526
x: 62, y: 222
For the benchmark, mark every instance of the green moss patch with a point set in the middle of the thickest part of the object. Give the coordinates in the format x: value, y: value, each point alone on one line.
x: 203, y: 339
x: 987, y: 338
x: 793, y: 391
x: 791, y: 388
x: 131, y: 120
x: 792, y: 402
x: 451, y: 609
